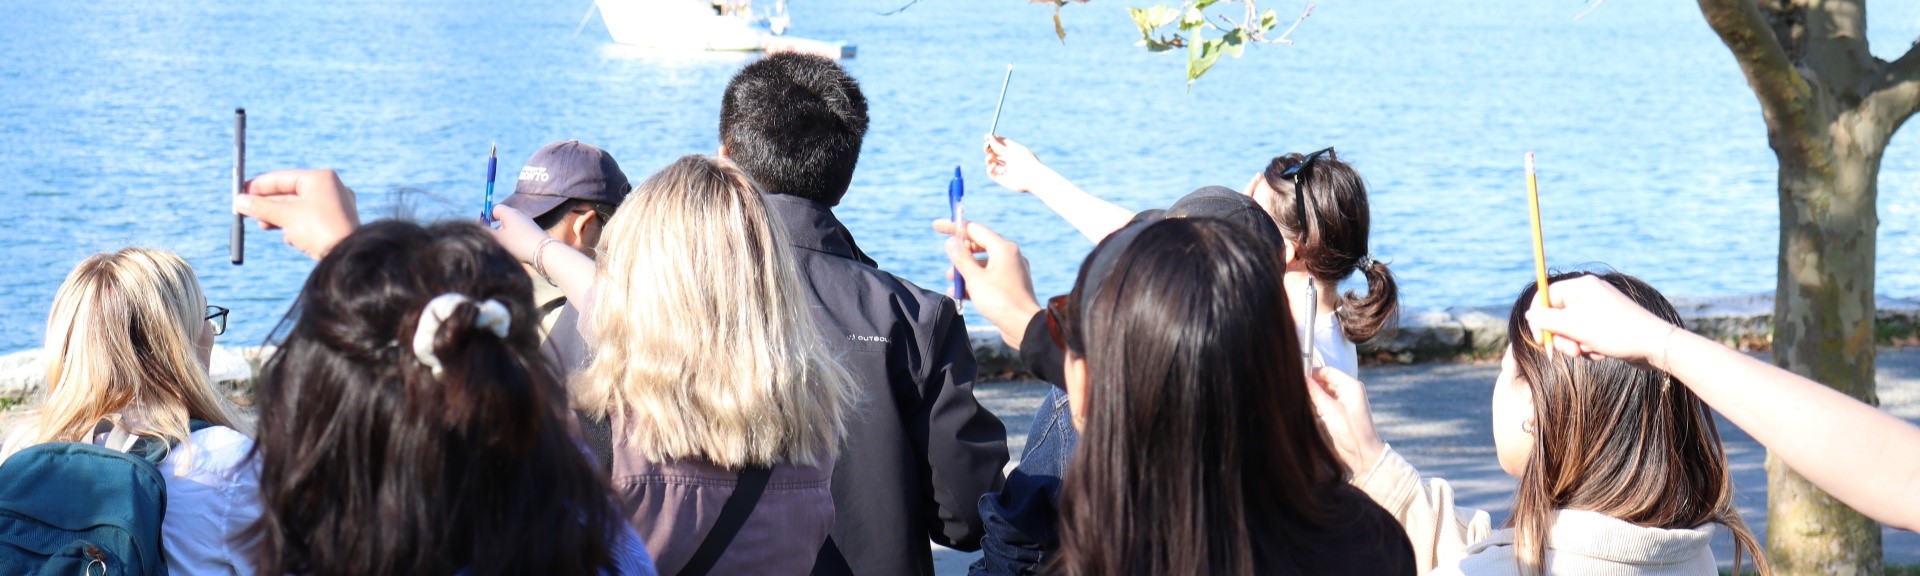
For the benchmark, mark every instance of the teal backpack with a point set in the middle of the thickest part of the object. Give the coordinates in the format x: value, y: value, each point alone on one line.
x: 70, y: 508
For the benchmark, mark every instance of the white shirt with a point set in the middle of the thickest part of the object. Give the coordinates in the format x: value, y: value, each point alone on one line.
x: 213, y: 494
x: 1330, y: 346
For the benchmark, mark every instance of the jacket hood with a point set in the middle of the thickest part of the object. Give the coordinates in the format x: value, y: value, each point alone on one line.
x: 1601, y: 537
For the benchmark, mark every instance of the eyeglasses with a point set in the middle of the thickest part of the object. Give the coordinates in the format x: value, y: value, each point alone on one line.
x: 1057, y: 318
x: 217, y: 315
x: 1298, y: 172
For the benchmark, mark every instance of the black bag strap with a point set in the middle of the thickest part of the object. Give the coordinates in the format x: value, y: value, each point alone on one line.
x: 733, y: 515
x: 596, y: 430
x: 830, y: 562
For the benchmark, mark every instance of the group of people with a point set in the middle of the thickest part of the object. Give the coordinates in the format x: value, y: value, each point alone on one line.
x: 704, y: 373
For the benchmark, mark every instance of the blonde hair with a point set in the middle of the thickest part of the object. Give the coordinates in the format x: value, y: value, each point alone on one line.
x: 704, y: 341
x: 122, y: 342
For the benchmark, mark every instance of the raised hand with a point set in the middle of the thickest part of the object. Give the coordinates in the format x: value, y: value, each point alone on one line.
x: 312, y: 206
x: 1588, y: 316
x: 1341, y: 402
x: 1015, y: 168
x: 1001, y: 287
x: 517, y: 232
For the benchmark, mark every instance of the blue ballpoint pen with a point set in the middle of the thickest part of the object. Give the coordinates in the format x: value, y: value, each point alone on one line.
x: 956, y: 190
x: 493, y: 163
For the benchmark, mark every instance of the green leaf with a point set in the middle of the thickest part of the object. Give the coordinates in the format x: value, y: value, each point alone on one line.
x: 1202, y: 57
x: 1193, y: 18
x: 1153, y: 17
x: 1269, y: 20
x: 1235, y: 42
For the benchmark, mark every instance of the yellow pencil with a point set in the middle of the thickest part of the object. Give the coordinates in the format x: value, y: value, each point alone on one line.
x: 1539, y: 247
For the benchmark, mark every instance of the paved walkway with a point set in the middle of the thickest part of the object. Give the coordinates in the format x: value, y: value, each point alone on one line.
x: 1438, y: 416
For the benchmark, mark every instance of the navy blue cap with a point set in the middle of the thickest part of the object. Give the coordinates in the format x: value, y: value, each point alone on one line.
x: 569, y: 170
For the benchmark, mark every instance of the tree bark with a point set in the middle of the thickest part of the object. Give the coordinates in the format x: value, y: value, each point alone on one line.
x: 1823, y: 329
x: 1830, y: 109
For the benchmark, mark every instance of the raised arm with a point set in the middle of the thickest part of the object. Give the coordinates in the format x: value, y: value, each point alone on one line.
x: 1016, y: 168
x: 1859, y: 454
x: 569, y: 269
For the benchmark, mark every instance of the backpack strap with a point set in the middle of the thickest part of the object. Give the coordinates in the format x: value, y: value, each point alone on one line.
x: 733, y: 515
x: 149, y: 448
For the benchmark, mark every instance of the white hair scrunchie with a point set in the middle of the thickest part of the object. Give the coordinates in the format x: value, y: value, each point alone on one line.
x: 493, y: 316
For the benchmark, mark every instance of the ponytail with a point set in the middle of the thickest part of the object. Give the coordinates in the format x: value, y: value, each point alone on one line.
x: 476, y: 383
x: 1362, y: 318
x: 1337, y: 245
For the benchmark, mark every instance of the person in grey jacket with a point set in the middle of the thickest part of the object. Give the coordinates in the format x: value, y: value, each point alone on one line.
x: 921, y: 450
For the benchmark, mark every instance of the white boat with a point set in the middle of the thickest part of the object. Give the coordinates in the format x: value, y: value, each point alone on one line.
x: 727, y: 25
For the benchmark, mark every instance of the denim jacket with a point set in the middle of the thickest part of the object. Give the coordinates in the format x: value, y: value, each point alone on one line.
x: 1020, y: 518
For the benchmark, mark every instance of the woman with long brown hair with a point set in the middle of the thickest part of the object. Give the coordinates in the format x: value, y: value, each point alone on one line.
x: 1620, y: 466
x: 1200, y: 452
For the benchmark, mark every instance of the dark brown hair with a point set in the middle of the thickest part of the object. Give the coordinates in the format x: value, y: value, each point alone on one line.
x: 370, y: 465
x: 1616, y: 438
x: 1337, y: 245
x: 1199, y: 434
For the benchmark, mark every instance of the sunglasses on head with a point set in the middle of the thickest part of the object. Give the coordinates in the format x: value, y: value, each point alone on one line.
x: 1297, y: 173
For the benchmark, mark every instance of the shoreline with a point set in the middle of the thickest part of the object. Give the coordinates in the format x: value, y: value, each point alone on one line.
x: 1453, y: 335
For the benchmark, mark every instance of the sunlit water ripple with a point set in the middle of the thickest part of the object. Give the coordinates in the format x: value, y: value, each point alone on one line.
x: 116, y: 125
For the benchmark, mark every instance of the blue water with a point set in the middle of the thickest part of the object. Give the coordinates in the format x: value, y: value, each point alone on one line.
x: 115, y: 122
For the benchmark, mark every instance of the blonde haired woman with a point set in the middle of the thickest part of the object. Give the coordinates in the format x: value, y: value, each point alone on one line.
x: 128, y: 343
x: 709, y: 368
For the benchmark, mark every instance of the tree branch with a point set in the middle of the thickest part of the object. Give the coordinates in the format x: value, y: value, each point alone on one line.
x: 1282, y: 39
x: 1896, y: 96
x: 1783, y: 93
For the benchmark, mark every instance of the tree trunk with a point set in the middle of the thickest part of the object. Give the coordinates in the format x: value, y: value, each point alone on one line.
x: 1823, y: 329
x: 1831, y: 107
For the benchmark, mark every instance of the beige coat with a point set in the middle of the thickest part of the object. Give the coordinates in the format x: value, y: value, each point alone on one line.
x: 1448, y: 539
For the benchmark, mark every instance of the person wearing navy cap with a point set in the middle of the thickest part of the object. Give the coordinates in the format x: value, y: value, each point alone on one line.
x: 570, y: 189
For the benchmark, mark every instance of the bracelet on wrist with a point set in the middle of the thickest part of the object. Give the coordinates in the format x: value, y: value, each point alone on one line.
x: 539, y: 263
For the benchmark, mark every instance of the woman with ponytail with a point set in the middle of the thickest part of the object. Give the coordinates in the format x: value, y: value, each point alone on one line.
x: 409, y: 424
x: 1320, y: 205
x: 1318, y: 202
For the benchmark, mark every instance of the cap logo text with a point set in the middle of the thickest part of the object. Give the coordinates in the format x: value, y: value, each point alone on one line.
x: 534, y: 173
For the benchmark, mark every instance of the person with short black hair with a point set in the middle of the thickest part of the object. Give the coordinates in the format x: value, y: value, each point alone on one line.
x: 921, y: 451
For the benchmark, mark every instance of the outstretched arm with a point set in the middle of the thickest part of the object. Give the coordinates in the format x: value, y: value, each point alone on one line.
x: 1857, y: 453
x: 568, y: 268
x: 1016, y: 168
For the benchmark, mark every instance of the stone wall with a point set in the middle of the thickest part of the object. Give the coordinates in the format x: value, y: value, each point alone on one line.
x: 1745, y: 323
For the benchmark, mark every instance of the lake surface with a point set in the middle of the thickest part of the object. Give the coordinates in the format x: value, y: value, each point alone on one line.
x: 115, y: 129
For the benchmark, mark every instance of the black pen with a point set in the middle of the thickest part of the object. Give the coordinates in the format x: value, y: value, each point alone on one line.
x: 237, y: 238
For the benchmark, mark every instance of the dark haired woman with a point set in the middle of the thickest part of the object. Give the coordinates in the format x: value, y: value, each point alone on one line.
x: 1620, y: 465
x: 1200, y: 452
x: 409, y: 425
x: 1324, y: 220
